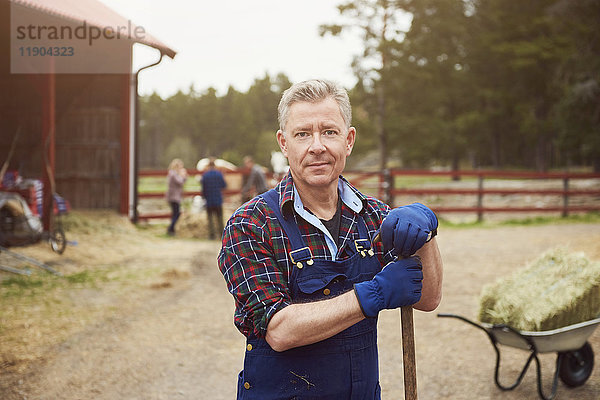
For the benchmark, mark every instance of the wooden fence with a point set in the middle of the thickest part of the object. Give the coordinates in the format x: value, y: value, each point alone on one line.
x: 475, y: 191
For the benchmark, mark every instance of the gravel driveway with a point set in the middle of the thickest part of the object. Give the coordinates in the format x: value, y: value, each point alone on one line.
x: 177, y: 341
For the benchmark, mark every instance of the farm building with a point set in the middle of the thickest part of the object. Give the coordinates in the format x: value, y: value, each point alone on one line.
x: 68, y: 118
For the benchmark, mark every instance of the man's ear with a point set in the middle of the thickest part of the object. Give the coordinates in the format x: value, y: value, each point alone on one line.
x: 350, y: 139
x: 282, y: 142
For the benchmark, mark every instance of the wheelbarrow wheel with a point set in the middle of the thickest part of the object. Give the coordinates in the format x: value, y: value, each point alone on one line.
x: 577, y: 365
x: 58, y: 240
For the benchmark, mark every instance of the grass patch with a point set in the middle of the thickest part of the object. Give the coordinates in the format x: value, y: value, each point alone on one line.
x: 445, y: 223
x: 589, y: 218
x: 156, y: 184
x: 41, y: 284
x: 81, y: 278
x: 22, y: 282
x: 19, y: 287
x: 102, y: 276
x: 415, y: 181
x: 42, y: 310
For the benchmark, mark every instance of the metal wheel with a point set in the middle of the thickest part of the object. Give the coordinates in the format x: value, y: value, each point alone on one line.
x: 577, y: 366
x: 58, y: 240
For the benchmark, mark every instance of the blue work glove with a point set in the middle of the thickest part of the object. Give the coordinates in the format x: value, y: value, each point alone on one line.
x: 398, y: 284
x: 406, y: 229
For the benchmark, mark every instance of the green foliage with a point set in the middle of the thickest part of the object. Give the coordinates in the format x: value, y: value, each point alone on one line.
x: 500, y: 83
x: 196, y: 125
x: 182, y: 147
x: 496, y: 83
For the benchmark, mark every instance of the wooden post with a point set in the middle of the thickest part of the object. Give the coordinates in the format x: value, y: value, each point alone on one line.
x: 565, y: 211
x: 382, y: 185
x: 388, y: 187
x: 48, y: 146
x: 480, y: 199
x: 125, y: 141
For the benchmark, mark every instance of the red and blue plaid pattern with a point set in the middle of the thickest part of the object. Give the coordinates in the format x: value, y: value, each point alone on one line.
x: 254, y: 255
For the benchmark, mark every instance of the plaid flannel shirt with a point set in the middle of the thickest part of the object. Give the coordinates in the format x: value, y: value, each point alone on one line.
x: 254, y: 255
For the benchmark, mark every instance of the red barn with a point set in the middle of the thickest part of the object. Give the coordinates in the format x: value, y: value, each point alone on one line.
x: 70, y: 120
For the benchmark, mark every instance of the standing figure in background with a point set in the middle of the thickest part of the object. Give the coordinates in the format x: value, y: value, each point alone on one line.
x: 175, y: 179
x: 213, y: 184
x: 256, y: 180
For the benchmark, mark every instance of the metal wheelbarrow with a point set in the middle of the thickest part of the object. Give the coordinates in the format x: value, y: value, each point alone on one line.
x: 574, y: 359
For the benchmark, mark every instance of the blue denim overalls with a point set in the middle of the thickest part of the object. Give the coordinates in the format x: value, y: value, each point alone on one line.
x: 344, y: 366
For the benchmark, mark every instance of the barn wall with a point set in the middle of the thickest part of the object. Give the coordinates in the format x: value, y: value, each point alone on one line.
x: 89, y: 130
x: 88, y: 135
x: 19, y: 113
x: 17, y: 110
x: 88, y: 140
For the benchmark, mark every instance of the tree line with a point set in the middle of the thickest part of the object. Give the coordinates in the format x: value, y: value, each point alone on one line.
x: 463, y: 84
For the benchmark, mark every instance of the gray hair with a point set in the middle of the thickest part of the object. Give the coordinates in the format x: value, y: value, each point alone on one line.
x: 313, y: 91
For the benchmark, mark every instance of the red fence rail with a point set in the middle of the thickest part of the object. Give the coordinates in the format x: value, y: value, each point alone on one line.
x: 389, y: 187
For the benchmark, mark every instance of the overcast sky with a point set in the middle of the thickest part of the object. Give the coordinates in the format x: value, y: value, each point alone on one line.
x: 232, y: 42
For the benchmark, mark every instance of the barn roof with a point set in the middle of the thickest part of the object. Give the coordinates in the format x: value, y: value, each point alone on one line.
x: 94, y: 13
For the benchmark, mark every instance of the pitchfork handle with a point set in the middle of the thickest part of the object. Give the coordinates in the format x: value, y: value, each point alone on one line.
x: 408, y: 353
x: 409, y: 357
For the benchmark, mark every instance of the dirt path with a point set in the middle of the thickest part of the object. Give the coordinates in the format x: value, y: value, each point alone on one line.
x: 177, y: 341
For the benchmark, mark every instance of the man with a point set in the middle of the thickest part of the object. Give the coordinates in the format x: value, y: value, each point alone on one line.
x: 256, y: 182
x: 301, y: 264
x: 213, y: 184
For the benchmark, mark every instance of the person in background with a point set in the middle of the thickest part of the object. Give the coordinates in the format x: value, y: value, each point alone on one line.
x: 213, y: 184
x: 176, y: 177
x: 256, y: 182
x: 306, y: 271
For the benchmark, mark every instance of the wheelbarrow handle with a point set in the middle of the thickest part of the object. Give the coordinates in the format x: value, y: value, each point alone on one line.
x: 468, y: 321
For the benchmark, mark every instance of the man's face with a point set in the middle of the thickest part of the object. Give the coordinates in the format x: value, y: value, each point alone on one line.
x: 316, y: 142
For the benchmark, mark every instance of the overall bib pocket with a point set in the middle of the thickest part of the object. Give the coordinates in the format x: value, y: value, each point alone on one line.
x: 295, y: 374
x: 320, y: 284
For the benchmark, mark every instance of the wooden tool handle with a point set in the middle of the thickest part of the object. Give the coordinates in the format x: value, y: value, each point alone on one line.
x: 409, y: 357
x: 408, y: 353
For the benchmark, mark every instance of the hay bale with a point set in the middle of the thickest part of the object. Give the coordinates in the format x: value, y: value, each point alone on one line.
x: 556, y: 290
x: 192, y: 226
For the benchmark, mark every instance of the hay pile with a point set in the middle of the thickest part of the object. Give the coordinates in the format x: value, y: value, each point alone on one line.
x: 556, y: 290
x: 192, y: 226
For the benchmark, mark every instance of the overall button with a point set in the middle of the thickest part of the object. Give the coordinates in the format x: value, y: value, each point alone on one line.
x: 310, y: 262
x: 249, y: 347
x: 327, y: 292
x: 246, y: 385
x: 299, y: 265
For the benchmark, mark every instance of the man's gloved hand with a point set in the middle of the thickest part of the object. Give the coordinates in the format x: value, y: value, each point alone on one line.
x: 398, y: 284
x: 406, y: 229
